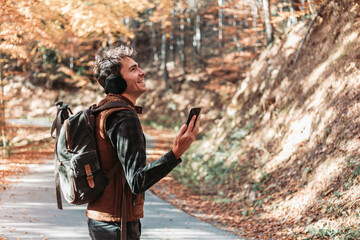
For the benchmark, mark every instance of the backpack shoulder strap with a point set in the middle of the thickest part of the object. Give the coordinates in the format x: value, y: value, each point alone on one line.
x: 116, y: 106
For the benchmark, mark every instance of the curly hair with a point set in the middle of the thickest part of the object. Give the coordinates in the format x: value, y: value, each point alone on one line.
x: 107, y: 62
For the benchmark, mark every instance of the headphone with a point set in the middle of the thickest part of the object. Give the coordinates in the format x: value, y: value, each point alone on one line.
x: 115, y: 84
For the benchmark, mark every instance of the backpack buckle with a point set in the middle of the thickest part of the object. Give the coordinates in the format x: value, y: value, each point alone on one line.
x: 90, y: 177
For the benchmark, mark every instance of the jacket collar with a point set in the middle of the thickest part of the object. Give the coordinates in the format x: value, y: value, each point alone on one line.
x: 118, y: 97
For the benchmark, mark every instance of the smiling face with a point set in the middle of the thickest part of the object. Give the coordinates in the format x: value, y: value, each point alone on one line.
x: 134, y: 77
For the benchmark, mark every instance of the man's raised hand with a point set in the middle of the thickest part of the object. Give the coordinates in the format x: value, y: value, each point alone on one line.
x: 185, y: 137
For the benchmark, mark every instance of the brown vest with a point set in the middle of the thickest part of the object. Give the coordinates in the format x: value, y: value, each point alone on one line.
x: 108, y: 206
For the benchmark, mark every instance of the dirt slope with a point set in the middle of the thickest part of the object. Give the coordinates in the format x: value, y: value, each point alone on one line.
x: 290, y: 136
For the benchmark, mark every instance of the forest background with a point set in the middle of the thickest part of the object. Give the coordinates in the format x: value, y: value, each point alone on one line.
x: 278, y: 83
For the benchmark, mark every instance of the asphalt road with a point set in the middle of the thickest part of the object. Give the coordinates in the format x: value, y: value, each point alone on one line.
x: 28, y: 210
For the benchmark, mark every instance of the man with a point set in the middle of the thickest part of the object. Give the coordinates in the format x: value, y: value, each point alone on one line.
x: 120, y: 138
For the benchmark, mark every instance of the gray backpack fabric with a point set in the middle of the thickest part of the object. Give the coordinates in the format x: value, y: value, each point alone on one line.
x: 77, y: 165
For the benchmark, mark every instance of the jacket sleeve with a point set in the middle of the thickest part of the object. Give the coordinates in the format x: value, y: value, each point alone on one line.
x: 125, y: 133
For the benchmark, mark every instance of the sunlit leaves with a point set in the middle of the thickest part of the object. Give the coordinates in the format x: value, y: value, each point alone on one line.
x: 162, y: 10
x: 53, y: 22
x: 18, y: 24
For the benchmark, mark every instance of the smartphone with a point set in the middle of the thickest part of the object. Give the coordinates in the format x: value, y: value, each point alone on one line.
x: 193, y: 111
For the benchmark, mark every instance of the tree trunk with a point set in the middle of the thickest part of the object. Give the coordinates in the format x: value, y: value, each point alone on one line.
x: 255, y: 14
x: 181, y: 43
x: 268, y: 27
x: 295, y: 7
x: 155, y: 56
x: 172, y: 39
x: 164, y: 53
x: 293, y: 19
x: 197, y: 43
x: 235, y: 38
x: 221, y: 24
x: 310, y: 7
x: 2, y: 105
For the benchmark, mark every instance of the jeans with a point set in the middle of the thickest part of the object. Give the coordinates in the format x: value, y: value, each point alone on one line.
x: 112, y: 230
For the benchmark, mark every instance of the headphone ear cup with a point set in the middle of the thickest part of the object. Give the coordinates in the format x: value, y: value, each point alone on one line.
x: 115, y: 84
x: 121, y: 83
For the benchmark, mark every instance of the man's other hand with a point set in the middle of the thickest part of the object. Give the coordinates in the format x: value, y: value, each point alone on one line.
x: 185, y: 137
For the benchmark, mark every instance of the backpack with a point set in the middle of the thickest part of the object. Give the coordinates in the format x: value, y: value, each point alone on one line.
x: 77, y: 165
